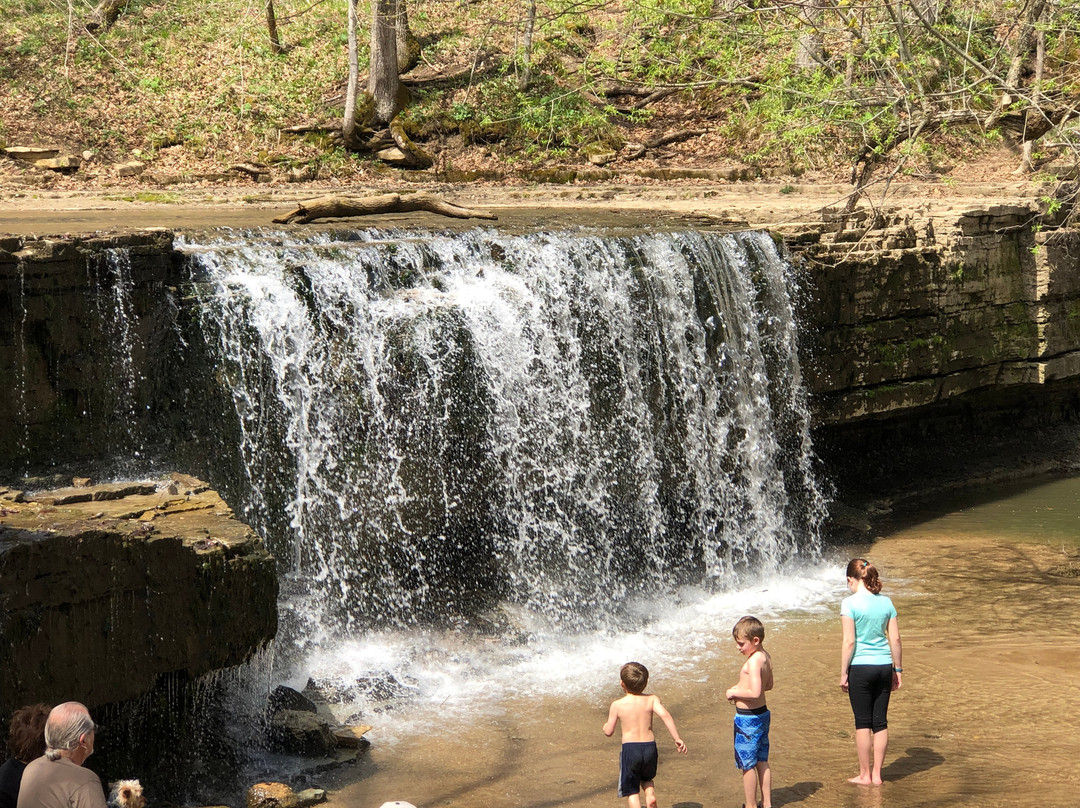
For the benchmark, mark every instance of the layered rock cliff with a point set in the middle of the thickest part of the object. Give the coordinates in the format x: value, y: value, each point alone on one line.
x: 88, y: 337
x: 914, y: 312
x: 106, y: 588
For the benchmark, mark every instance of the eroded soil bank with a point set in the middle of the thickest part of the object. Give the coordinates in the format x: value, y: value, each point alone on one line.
x: 987, y: 596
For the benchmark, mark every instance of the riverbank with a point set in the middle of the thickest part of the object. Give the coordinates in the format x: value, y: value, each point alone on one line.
x: 990, y: 647
x: 701, y: 203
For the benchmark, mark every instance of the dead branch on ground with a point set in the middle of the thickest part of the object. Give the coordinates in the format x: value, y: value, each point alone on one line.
x: 342, y: 207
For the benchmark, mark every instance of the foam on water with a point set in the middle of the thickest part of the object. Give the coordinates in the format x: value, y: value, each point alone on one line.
x: 465, y: 678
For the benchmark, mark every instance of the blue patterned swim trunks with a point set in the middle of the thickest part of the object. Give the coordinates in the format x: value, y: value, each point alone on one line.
x: 751, y: 737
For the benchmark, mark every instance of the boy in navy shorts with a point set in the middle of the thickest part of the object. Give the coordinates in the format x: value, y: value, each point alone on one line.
x: 752, y: 717
x: 637, y: 762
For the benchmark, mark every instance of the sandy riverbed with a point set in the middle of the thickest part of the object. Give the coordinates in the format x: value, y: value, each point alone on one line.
x: 986, y: 716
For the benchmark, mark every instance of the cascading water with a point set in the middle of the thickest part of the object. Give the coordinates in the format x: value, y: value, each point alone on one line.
x: 111, y: 282
x: 540, y: 431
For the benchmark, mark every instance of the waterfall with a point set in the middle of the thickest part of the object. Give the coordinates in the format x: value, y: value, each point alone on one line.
x: 109, y: 279
x: 431, y: 427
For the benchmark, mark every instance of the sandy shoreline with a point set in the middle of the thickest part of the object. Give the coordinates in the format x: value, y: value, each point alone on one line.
x: 990, y: 628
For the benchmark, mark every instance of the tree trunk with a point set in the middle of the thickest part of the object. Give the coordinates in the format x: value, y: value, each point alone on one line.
x: 810, y: 50
x: 525, y: 79
x: 1027, y: 165
x: 271, y: 29
x: 348, y: 125
x: 408, y: 46
x: 384, y: 82
x: 1025, y: 41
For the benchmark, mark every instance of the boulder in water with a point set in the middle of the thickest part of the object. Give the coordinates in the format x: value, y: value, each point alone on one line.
x: 298, y: 732
x: 286, y: 698
x: 351, y: 737
x: 271, y: 795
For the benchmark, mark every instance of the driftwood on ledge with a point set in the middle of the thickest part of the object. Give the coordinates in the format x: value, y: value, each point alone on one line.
x: 339, y: 207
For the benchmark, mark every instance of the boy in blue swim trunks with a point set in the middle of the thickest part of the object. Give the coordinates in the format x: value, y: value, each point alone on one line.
x: 637, y: 762
x: 752, y: 717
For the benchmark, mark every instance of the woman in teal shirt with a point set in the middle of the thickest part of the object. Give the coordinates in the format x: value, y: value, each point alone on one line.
x: 870, y: 665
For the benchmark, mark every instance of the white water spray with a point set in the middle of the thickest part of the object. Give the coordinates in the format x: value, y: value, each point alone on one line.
x: 529, y: 435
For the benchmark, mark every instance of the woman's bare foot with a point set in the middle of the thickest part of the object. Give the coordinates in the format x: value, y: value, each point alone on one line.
x: 861, y: 780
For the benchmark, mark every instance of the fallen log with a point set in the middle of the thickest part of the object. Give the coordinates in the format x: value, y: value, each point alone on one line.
x: 343, y: 207
x: 673, y: 137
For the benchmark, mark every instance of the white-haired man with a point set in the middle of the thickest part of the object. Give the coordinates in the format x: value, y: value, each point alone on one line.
x: 58, y: 780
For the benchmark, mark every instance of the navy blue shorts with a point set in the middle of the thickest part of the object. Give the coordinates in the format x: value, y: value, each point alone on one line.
x: 637, y: 764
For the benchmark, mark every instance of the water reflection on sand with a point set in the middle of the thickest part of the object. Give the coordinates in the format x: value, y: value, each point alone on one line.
x: 989, y: 600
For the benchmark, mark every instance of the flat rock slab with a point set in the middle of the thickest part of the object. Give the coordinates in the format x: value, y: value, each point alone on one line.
x: 31, y: 153
x: 142, y: 578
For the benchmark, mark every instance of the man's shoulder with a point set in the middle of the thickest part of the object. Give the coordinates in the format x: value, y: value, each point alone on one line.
x: 61, y: 767
x: 34, y: 766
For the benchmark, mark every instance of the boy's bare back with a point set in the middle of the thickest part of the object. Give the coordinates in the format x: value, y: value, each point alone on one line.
x: 635, y: 712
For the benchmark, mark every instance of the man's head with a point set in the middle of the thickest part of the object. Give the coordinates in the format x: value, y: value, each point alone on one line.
x: 26, y: 738
x: 69, y: 732
x: 635, y: 677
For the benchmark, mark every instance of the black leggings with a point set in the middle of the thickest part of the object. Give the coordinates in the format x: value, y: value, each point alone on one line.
x: 869, y: 687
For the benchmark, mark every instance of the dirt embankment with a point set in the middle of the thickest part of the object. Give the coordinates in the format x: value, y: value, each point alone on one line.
x: 703, y: 203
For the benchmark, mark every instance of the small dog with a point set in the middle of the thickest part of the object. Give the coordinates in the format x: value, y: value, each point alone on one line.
x: 126, y: 794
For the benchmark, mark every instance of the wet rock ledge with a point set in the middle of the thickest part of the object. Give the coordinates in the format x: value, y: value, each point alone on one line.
x: 104, y: 588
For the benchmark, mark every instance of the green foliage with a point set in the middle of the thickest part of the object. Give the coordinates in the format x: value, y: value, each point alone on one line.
x: 184, y: 75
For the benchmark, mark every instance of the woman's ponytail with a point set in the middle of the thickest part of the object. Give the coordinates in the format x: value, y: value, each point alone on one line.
x: 862, y: 570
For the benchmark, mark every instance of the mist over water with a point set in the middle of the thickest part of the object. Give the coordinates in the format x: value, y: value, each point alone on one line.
x: 477, y: 453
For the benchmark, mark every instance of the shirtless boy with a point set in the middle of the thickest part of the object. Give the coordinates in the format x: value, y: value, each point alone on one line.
x: 637, y: 762
x: 752, y: 717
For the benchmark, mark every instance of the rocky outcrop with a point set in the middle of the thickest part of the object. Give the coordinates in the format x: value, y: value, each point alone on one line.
x: 920, y: 325
x: 88, y: 337
x: 941, y: 352
x: 910, y: 313
x: 105, y: 588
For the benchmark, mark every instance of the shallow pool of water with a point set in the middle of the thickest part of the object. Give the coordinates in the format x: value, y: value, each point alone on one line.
x: 989, y: 607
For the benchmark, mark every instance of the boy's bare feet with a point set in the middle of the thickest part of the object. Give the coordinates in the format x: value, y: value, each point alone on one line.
x: 861, y: 781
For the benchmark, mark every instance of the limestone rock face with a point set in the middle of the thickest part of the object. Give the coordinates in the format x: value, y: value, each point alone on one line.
x: 87, y: 339
x: 910, y: 314
x: 105, y: 587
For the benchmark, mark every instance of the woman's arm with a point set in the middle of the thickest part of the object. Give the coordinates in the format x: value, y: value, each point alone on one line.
x: 897, y: 651
x: 847, y: 650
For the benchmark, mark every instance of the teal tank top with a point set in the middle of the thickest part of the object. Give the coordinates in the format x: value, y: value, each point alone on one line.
x: 871, y: 614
